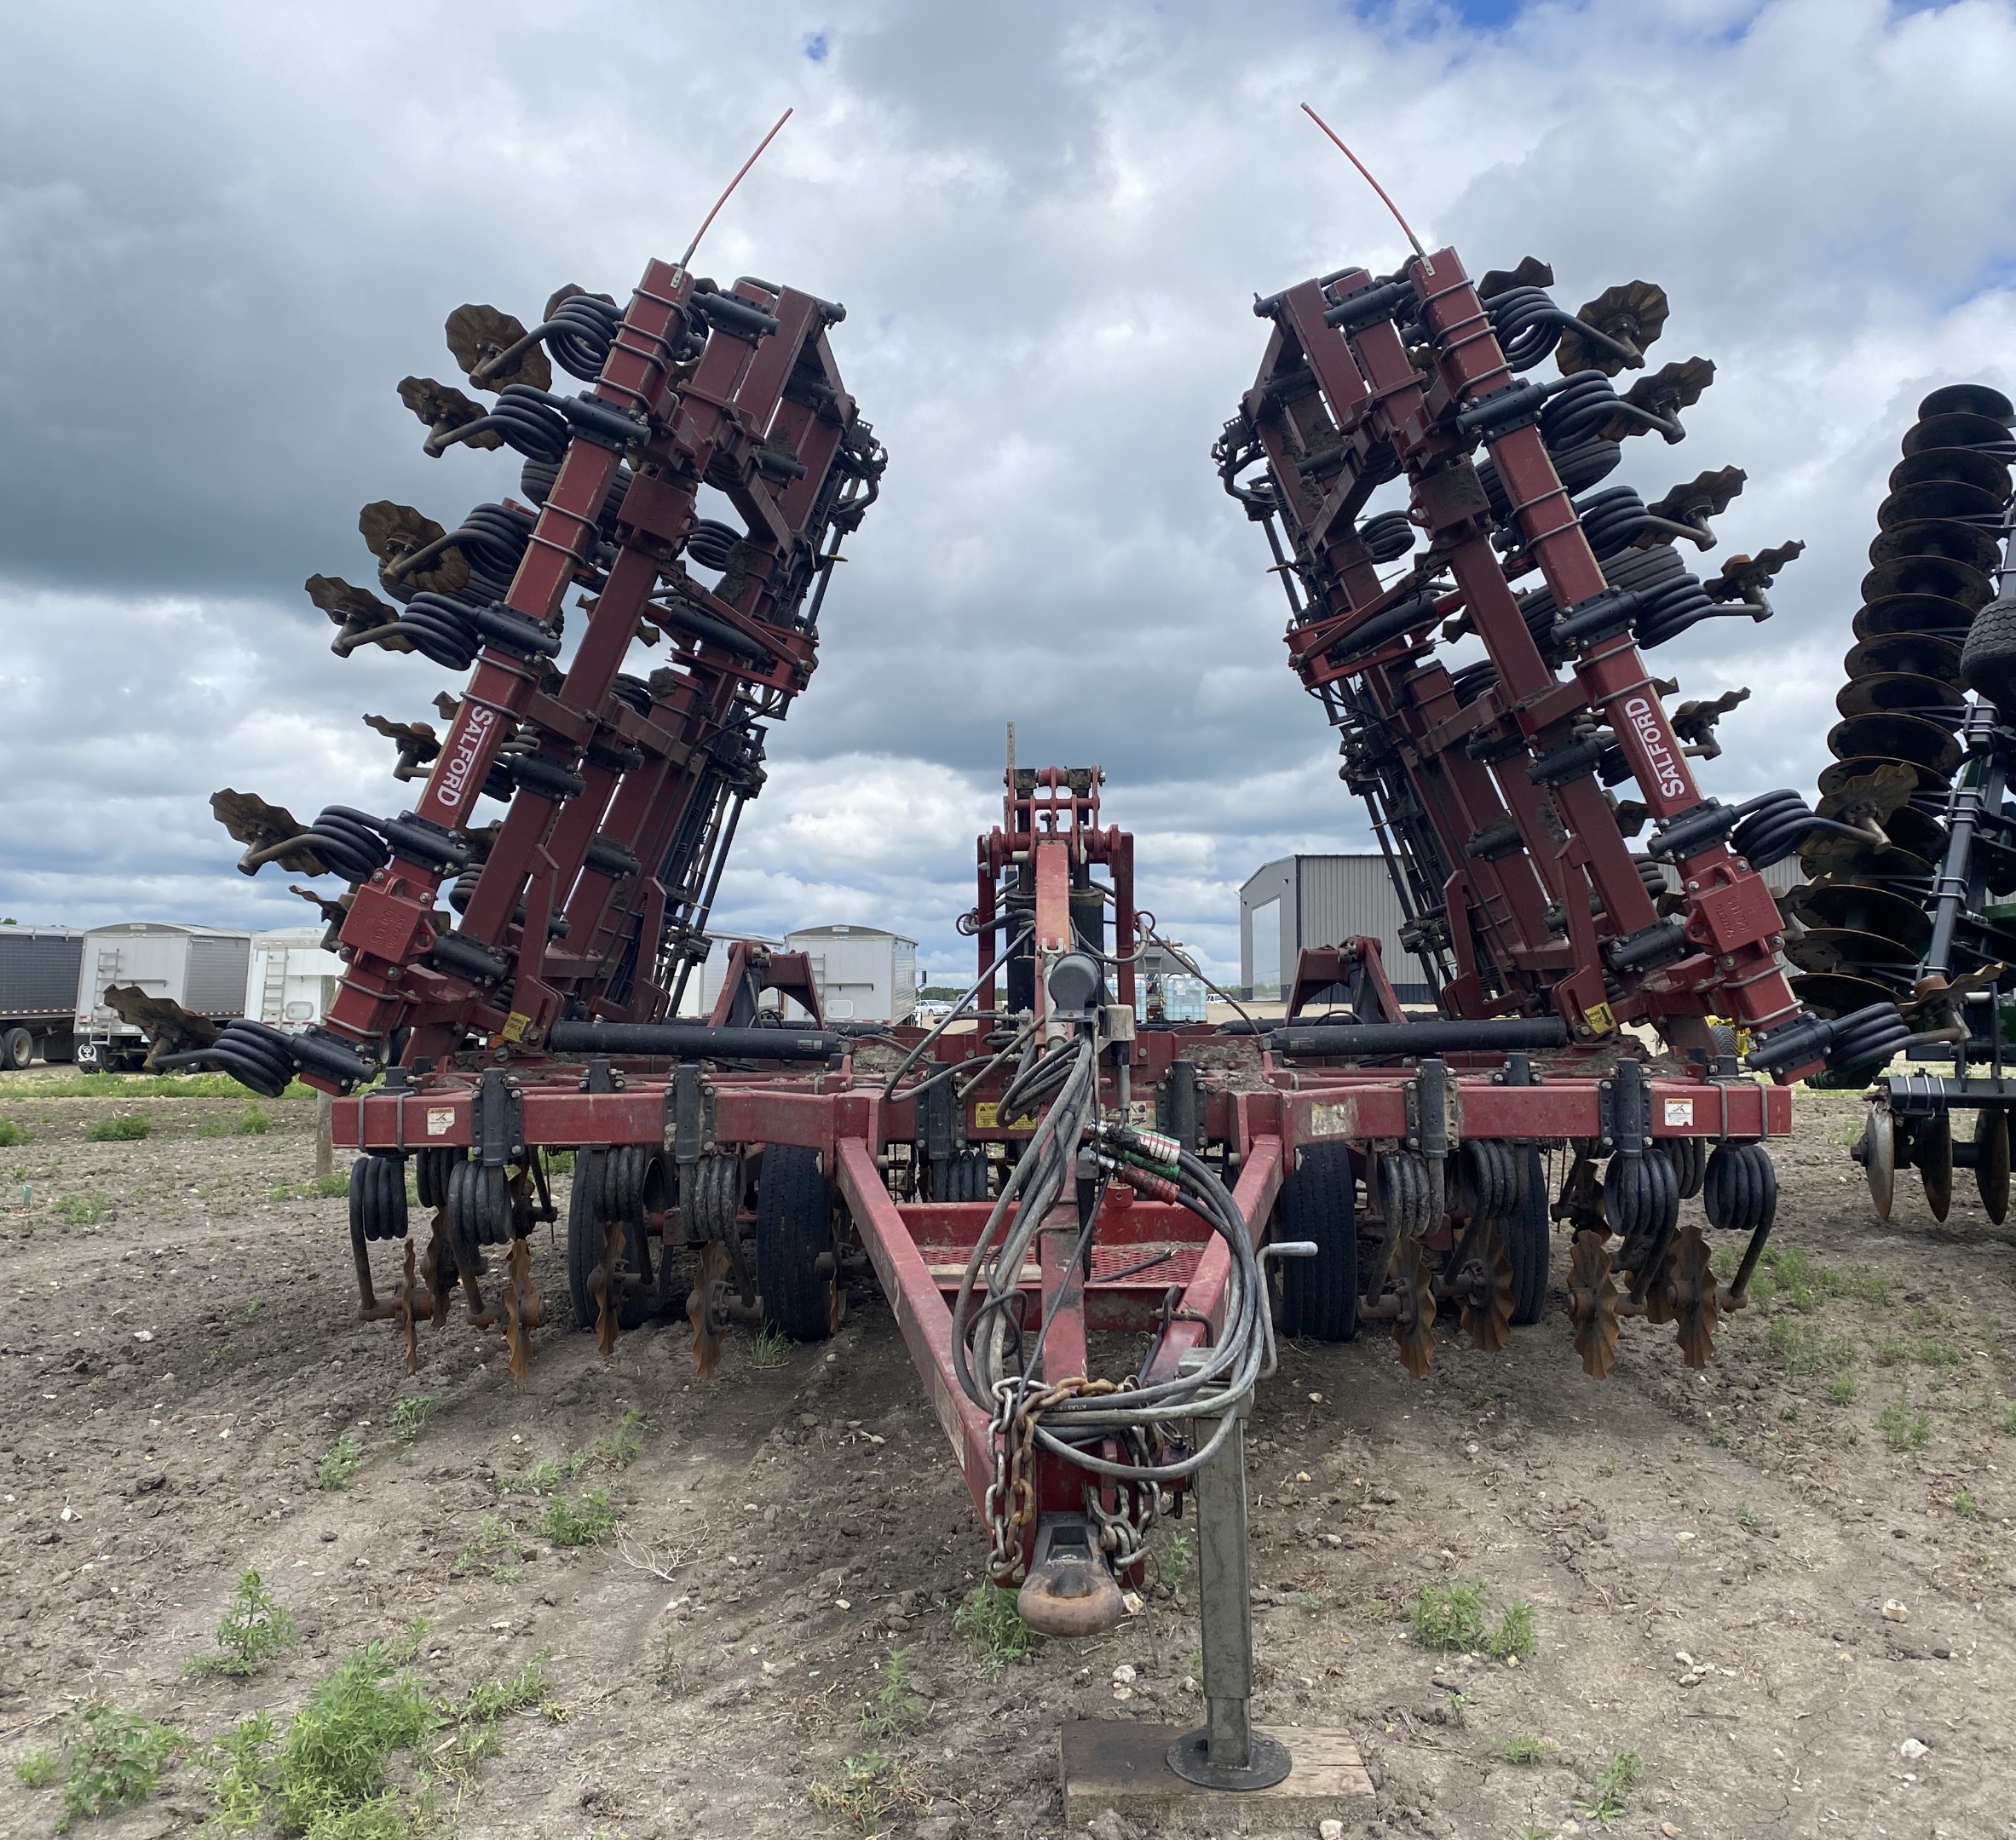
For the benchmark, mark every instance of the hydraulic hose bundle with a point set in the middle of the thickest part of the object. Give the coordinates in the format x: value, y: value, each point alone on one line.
x: 998, y: 1364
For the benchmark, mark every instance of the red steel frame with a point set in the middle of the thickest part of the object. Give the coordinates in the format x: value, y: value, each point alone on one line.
x: 1049, y: 842
x: 1357, y: 401
x: 753, y: 412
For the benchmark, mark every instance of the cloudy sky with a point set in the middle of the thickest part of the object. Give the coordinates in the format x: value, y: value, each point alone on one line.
x: 226, y: 232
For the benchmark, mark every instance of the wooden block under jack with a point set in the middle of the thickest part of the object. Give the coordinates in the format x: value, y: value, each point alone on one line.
x: 1115, y: 1763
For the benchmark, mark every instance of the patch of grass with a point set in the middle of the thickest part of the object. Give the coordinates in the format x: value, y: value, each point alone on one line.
x: 235, y: 1764
x: 1902, y: 1428
x: 84, y: 1209
x: 667, y: 1671
x: 107, y: 1758
x: 2006, y: 1420
x: 1843, y: 1389
x: 410, y: 1416
x: 771, y: 1348
x: 991, y: 1621
x: 338, y: 1469
x: 871, y: 1787
x: 1608, y: 1467
x: 485, y: 1551
x: 1718, y: 1435
x: 1450, y: 1616
x: 152, y: 1086
x: 329, y: 1772
x: 546, y: 1477
x: 580, y: 1522
x: 1523, y: 1747
x: 1892, y: 1351
x: 1804, y: 1350
x: 311, y: 1188
x: 618, y: 1450
x: 123, y: 1127
x: 1936, y: 1351
x: 1609, y: 1795
x: 560, y: 1162
x: 1513, y: 1640
x: 1748, y: 1516
x: 1173, y: 1559
x: 897, y: 1708
x: 256, y: 1628
x: 12, y: 1134
x: 1964, y: 1504
x: 475, y: 1719
x: 1799, y: 1280
x: 252, y: 1121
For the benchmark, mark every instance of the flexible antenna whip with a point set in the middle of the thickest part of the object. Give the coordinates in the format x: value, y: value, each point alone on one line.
x: 757, y: 155
x: 1363, y: 169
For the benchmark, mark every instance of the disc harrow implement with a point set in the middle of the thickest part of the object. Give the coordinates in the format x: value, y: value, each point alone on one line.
x: 1921, y: 910
x: 693, y: 499
x: 1471, y: 600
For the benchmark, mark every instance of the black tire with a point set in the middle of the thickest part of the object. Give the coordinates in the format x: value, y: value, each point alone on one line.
x: 1319, y: 1295
x: 1988, y: 660
x: 794, y: 1233
x: 1529, y: 1244
x: 585, y: 1251
x: 17, y: 1050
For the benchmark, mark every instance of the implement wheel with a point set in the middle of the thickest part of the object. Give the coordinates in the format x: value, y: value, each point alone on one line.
x: 1319, y: 1295
x: 797, y: 1266
x: 1528, y: 1243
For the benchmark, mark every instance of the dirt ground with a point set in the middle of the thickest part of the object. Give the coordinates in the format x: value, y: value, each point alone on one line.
x: 1706, y: 1557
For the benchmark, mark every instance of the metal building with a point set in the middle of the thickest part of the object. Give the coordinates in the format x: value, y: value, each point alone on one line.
x: 1317, y: 901
x: 862, y: 973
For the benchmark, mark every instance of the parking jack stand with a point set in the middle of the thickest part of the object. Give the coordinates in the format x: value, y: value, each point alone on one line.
x: 1226, y: 1752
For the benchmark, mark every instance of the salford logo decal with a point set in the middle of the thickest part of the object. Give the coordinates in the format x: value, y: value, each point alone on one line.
x: 460, y: 760
x: 1666, y: 768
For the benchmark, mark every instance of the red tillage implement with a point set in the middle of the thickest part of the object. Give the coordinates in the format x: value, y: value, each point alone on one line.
x: 1486, y: 769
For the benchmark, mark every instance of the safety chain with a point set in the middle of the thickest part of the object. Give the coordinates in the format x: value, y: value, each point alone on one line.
x: 1009, y: 1504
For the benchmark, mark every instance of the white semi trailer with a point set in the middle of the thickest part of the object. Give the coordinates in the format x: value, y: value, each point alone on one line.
x: 206, y: 970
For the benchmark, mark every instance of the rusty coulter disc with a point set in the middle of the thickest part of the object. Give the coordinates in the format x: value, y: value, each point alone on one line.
x: 1413, y: 1328
x: 1484, y: 1279
x: 1592, y: 1303
x: 1941, y: 498
x: 710, y: 1274
x: 1938, y: 576
x: 1962, y: 466
x: 1965, y: 544
x: 1902, y: 694
x: 1895, y: 736
x: 1956, y: 429
x: 1859, y: 907
x: 1690, y: 1281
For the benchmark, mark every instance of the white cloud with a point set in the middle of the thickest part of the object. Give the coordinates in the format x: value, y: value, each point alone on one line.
x: 225, y: 234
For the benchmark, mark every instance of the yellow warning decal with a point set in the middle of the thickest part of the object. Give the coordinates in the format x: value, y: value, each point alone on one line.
x: 514, y: 1027
x: 1599, y: 1017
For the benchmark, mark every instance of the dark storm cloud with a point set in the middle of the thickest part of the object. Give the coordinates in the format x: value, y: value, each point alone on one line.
x: 225, y: 234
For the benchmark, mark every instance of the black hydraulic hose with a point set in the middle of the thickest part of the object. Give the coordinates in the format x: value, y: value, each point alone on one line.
x: 1363, y: 1038
x: 695, y: 1041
